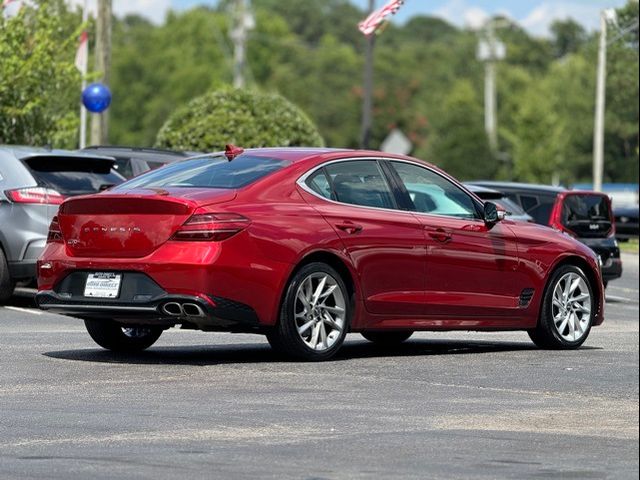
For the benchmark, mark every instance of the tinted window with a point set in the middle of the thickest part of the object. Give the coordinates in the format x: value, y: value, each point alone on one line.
x: 587, y: 215
x: 510, y: 206
x: 123, y: 167
x: 319, y: 183
x: 73, y: 175
x: 433, y: 194
x: 209, y: 172
x: 539, y: 207
x: 360, y: 183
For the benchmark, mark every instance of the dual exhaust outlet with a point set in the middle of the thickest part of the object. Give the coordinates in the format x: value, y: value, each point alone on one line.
x: 175, y: 309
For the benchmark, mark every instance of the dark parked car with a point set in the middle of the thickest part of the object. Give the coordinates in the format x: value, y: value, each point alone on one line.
x: 33, y: 183
x: 586, y: 216
x: 305, y: 246
x: 514, y: 211
x: 626, y: 222
x: 133, y: 161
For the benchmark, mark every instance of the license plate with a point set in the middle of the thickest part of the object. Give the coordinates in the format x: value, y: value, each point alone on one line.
x: 103, y: 285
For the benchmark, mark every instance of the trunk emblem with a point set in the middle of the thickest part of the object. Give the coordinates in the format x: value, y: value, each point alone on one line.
x: 111, y: 230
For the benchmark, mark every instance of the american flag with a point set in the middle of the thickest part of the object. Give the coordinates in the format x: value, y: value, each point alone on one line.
x: 82, y: 54
x: 6, y: 3
x: 373, y: 21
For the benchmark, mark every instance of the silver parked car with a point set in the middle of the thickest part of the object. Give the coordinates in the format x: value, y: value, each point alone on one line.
x: 33, y: 182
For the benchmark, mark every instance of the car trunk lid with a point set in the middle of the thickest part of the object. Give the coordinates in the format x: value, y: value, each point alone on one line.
x: 132, y: 224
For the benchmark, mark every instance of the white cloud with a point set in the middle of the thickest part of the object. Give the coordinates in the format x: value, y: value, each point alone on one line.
x: 540, y: 18
x: 461, y: 13
x: 154, y: 10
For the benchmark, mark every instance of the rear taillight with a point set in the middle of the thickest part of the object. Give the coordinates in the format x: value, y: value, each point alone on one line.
x: 35, y: 195
x: 55, y: 234
x: 211, y: 227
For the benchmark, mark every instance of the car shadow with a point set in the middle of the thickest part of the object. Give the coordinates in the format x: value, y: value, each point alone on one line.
x: 204, y: 355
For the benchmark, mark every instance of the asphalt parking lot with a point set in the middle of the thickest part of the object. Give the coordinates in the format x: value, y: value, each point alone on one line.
x: 196, y: 405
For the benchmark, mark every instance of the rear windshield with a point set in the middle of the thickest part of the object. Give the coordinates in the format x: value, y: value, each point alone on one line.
x: 587, y: 215
x: 208, y: 172
x: 73, y: 175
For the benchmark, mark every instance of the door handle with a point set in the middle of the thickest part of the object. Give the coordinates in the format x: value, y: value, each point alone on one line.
x: 440, y: 235
x: 349, y: 227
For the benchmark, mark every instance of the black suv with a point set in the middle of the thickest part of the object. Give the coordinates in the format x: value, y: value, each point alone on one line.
x: 586, y: 216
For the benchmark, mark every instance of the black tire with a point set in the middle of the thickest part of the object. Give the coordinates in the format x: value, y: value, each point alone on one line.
x: 546, y: 334
x: 122, y: 338
x: 387, y: 339
x: 7, y: 285
x: 605, y: 283
x: 285, y: 339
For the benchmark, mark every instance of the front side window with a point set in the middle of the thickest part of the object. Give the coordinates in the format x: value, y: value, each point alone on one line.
x: 430, y: 193
x: 360, y: 182
x: 213, y: 171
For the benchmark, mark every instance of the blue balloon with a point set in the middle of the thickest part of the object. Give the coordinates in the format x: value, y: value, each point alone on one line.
x: 96, y: 97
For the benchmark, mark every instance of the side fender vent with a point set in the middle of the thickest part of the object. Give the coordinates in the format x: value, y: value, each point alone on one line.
x: 526, y: 296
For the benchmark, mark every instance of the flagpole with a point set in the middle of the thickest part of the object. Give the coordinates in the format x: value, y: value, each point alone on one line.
x: 367, y: 104
x: 83, y: 72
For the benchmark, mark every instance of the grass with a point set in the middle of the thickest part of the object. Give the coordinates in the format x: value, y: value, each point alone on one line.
x: 629, y: 247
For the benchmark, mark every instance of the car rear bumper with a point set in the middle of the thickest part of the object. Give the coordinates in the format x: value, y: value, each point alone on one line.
x: 22, y: 270
x: 144, y: 302
x: 609, y: 252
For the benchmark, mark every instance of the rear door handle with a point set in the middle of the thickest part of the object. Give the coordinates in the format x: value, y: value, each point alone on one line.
x: 439, y: 234
x: 349, y: 227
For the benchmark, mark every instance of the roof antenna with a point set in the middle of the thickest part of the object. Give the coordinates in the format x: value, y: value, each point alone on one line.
x: 231, y: 151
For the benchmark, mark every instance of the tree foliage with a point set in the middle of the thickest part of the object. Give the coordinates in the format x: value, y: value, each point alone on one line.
x: 241, y: 117
x: 39, y: 85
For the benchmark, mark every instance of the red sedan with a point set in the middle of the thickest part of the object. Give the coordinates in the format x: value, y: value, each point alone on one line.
x: 305, y: 246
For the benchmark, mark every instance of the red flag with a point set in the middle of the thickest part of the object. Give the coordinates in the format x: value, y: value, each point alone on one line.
x: 82, y: 54
x: 373, y: 21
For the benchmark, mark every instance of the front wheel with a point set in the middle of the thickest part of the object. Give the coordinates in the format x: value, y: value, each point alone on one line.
x: 567, y: 311
x: 120, y: 338
x: 315, y: 315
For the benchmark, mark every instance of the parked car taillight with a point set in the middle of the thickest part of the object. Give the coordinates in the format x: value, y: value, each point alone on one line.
x: 55, y: 234
x: 211, y: 227
x: 35, y: 195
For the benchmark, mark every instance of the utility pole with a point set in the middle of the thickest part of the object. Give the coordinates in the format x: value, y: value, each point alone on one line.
x: 490, y: 51
x: 100, y: 122
x: 601, y: 91
x: 239, y: 35
x: 367, y: 104
x: 84, y: 67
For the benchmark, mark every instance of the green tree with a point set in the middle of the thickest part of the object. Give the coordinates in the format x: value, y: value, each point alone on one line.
x: 39, y: 85
x: 245, y: 118
x: 460, y: 145
x: 568, y: 36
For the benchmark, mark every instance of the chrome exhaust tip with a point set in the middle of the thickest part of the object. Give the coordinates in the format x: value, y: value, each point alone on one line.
x: 193, y: 310
x: 173, y: 309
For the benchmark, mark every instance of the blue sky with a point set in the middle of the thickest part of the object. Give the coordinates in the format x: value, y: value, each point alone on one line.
x: 534, y: 15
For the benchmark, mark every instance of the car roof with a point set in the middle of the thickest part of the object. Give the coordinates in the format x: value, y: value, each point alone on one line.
x: 21, y: 152
x: 526, y: 187
x: 142, y: 153
x: 480, y: 189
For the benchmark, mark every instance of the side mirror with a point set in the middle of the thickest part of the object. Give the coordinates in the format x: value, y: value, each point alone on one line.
x: 493, y: 214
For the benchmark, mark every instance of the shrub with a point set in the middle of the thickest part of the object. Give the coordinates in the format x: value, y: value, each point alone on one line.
x: 245, y: 118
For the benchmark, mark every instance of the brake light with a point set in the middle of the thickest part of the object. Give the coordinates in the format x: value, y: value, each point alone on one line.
x: 211, y: 227
x: 55, y: 234
x: 35, y: 195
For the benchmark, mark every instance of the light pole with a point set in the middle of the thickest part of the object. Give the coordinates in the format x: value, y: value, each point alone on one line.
x: 601, y: 97
x: 243, y: 23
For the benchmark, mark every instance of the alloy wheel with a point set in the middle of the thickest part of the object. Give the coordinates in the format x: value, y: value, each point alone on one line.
x: 571, y: 307
x: 320, y: 311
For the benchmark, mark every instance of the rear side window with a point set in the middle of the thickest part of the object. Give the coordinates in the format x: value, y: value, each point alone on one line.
x: 73, y: 175
x: 124, y: 167
x: 319, y: 183
x: 539, y: 207
x: 209, y: 172
x: 360, y: 182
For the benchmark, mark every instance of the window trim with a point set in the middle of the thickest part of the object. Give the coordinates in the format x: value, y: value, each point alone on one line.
x: 391, y: 182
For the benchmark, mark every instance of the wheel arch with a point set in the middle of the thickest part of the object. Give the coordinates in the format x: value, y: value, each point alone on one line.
x: 592, y: 277
x: 335, y: 261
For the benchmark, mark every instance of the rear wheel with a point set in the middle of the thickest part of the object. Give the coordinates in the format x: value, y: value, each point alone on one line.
x: 6, y: 283
x: 567, y: 311
x: 387, y: 339
x: 315, y: 315
x: 120, y: 338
